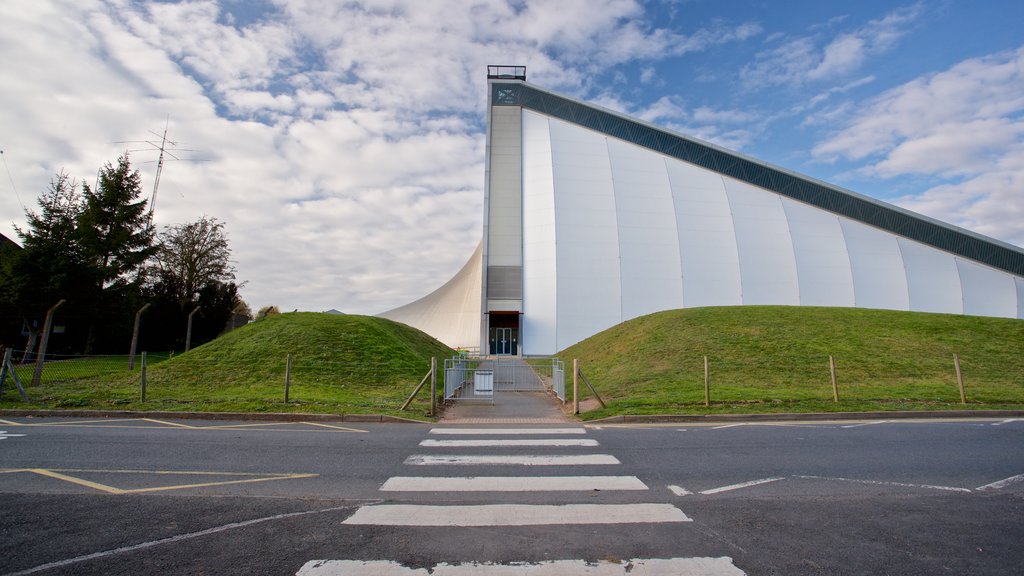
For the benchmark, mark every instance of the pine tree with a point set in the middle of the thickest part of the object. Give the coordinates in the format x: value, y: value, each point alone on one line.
x: 116, y: 236
x: 114, y: 229
x: 51, y: 265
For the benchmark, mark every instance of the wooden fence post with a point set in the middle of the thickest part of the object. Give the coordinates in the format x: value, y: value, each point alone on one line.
x: 143, y: 376
x: 707, y: 383
x: 832, y: 370
x: 47, y: 326
x: 959, y: 379
x: 433, y: 386
x: 188, y: 330
x: 287, y: 378
x: 575, y: 386
x: 135, y: 337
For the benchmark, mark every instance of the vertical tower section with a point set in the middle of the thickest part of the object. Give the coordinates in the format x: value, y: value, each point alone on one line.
x: 502, y: 294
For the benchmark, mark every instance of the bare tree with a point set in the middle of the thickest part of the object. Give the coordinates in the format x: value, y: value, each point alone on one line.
x: 192, y: 256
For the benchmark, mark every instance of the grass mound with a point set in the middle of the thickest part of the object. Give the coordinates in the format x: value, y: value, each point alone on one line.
x: 339, y: 364
x: 775, y: 359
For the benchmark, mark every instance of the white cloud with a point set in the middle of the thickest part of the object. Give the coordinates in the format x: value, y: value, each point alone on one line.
x: 963, y: 124
x: 344, y: 141
x: 818, y: 57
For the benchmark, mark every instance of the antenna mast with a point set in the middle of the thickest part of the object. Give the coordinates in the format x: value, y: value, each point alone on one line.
x: 159, y: 169
x: 165, y: 147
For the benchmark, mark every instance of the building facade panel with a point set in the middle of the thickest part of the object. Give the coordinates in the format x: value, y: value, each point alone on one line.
x: 539, y: 326
x: 822, y: 262
x: 589, y: 297
x: 707, y: 238
x: 933, y: 280
x: 879, y: 278
x: 987, y: 292
x: 767, y: 264
x: 648, y: 244
x: 1020, y: 296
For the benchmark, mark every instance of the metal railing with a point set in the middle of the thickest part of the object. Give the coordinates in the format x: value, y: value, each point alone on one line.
x: 467, y: 378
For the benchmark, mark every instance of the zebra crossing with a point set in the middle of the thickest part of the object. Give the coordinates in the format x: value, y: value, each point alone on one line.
x: 504, y: 448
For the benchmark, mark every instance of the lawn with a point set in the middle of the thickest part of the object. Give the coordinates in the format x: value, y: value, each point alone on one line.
x: 776, y: 359
x: 339, y: 364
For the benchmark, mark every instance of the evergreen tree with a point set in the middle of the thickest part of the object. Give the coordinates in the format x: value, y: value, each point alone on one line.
x: 116, y: 237
x: 114, y: 229
x: 51, y: 265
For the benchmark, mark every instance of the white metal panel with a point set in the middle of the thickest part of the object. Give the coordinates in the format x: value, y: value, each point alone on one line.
x: 879, y: 278
x: 707, y: 240
x: 538, y: 328
x: 932, y: 278
x: 767, y: 264
x: 1020, y: 296
x: 648, y: 243
x: 504, y: 247
x: 987, y: 291
x: 822, y: 263
x: 589, y: 290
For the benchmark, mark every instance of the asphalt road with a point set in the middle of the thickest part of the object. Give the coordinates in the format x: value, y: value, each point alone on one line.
x: 190, y: 497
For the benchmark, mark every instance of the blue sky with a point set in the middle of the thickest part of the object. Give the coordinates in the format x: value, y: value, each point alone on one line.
x: 343, y: 143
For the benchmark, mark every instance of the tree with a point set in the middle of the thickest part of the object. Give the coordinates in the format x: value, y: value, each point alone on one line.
x: 113, y: 229
x: 51, y: 264
x: 192, y: 267
x: 191, y: 256
x: 116, y: 238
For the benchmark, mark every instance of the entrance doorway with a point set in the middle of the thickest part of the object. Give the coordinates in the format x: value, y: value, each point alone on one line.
x: 504, y: 334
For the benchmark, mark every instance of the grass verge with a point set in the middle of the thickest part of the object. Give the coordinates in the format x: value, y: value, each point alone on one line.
x: 775, y: 359
x: 340, y: 364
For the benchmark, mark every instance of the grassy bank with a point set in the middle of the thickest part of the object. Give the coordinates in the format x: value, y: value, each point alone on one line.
x: 340, y: 364
x: 775, y: 359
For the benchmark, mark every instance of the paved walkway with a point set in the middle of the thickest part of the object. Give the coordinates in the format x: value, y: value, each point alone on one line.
x: 508, y: 408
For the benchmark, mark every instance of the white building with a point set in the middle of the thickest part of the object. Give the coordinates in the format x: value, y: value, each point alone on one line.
x: 593, y: 218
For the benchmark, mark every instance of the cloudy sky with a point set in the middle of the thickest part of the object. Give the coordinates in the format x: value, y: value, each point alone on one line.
x: 343, y: 142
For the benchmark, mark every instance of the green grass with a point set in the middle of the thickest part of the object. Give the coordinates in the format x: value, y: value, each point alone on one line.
x: 775, y: 359
x: 340, y: 364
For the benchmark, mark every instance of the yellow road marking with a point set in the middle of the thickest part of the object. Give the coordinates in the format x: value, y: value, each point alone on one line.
x: 171, y: 472
x: 79, y: 481
x: 155, y: 421
x: 172, y: 425
x: 332, y: 426
x: 203, y: 484
x: 73, y: 422
x: 58, y: 474
x: 253, y: 425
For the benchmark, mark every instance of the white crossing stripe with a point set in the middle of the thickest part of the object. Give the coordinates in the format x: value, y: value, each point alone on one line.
x: 514, y: 514
x: 507, y: 431
x: 740, y: 485
x: 498, y: 460
x: 679, y: 491
x: 512, y: 484
x: 647, y: 567
x: 538, y: 442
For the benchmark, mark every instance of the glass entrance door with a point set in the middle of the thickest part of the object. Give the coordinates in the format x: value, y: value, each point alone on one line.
x: 504, y: 341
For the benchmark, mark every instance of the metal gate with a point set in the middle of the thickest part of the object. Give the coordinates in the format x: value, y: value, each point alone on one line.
x: 477, y: 379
